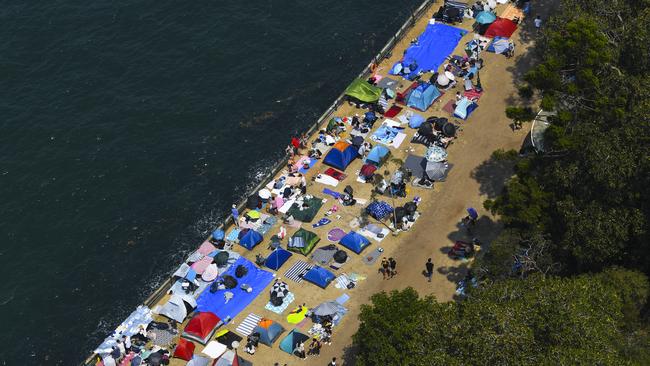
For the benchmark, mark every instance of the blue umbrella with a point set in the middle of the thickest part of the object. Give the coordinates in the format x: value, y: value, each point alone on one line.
x: 472, y: 213
x: 485, y: 17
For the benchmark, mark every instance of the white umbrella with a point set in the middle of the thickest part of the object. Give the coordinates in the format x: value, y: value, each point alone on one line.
x: 442, y: 80
x: 264, y: 194
x: 436, y: 154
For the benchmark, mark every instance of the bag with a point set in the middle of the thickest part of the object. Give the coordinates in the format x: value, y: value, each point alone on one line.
x: 241, y: 271
x: 340, y: 256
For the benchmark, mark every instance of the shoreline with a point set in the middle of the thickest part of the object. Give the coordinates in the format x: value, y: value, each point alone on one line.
x: 407, y: 244
x: 157, y: 295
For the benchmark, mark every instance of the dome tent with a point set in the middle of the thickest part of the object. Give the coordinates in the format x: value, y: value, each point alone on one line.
x: 268, y: 330
x: 249, y: 238
x: 355, y: 242
x: 319, y: 276
x: 184, y: 350
x: 201, y: 327
x: 293, y: 339
x: 277, y: 258
x: 341, y: 155
x: 378, y: 155
x: 303, y: 242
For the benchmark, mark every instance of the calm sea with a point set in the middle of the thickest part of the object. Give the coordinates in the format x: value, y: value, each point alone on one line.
x: 127, y: 130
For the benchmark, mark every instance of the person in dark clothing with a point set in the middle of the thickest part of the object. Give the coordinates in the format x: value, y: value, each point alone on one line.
x: 429, y: 272
x: 393, y: 265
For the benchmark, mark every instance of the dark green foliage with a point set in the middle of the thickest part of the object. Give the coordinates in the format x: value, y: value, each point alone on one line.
x: 581, y: 320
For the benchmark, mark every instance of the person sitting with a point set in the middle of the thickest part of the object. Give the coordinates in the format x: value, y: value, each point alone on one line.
x: 300, y: 350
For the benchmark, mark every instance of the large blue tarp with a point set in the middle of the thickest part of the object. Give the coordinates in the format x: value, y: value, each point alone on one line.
x: 432, y: 48
x: 215, y: 302
x: 422, y: 96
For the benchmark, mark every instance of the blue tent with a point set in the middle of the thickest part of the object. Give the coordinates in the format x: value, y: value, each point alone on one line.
x: 355, y: 242
x: 377, y: 155
x: 423, y: 96
x: 292, y: 340
x: 341, y: 155
x: 249, y: 238
x: 269, y: 331
x: 485, y: 17
x: 319, y: 276
x: 277, y: 258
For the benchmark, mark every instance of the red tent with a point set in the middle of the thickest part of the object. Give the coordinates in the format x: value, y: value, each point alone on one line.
x: 184, y: 350
x: 201, y: 327
x: 501, y: 28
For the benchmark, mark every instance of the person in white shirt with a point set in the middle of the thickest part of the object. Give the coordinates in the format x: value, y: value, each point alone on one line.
x: 538, y: 23
x: 127, y: 343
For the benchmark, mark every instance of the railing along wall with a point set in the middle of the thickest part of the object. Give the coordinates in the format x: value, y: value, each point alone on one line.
x: 385, y: 52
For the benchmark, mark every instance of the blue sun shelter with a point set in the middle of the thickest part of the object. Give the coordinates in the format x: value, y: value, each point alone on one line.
x: 341, y: 155
x: 355, y: 242
x: 292, y: 340
x: 319, y: 276
x: 377, y: 155
x: 423, y: 96
x: 249, y: 238
x: 277, y: 258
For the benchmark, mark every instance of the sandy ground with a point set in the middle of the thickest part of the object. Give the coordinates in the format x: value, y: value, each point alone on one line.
x: 473, y: 178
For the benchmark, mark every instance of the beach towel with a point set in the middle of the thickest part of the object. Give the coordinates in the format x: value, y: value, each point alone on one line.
x: 327, y: 180
x: 322, y: 222
x: 378, y: 237
x: 342, y: 281
x: 393, y: 111
x: 342, y: 299
x: 233, y: 235
x: 288, y: 299
x: 335, y: 234
x: 371, y: 257
x: 473, y: 94
x: 331, y: 193
x: 250, y: 322
x: 302, y: 169
x: 297, y: 270
x: 449, y: 107
x: 298, y: 317
x: 335, y: 174
x: 323, y: 255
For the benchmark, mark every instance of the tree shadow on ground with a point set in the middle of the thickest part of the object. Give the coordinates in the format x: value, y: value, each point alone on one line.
x: 349, y: 355
x: 492, y: 175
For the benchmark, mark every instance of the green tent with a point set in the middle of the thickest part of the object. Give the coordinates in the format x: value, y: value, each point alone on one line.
x: 309, y: 240
x: 363, y: 91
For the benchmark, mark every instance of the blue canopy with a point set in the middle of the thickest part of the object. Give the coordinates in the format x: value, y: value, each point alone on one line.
x: 341, y: 155
x: 485, y: 17
x: 319, y: 276
x: 423, y: 96
x: 355, y: 242
x: 292, y: 340
x: 377, y: 154
x: 431, y: 49
x: 277, y: 258
x: 249, y: 238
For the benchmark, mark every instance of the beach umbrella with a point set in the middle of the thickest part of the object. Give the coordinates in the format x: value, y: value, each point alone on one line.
x: 450, y: 75
x: 485, y: 17
x: 210, y: 273
x: 327, y: 308
x: 264, y: 194
x: 280, y: 289
x: 436, y: 170
x: 449, y: 129
x: 357, y: 140
x: 397, y: 177
x: 436, y: 154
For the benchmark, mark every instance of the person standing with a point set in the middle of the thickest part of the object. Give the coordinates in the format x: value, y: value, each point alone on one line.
x: 333, y: 363
x: 385, y: 267
x: 538, y: 23
x: 127, y: 344
x: 429, y: 271
x: 393, y: 265
x: 235, y: 215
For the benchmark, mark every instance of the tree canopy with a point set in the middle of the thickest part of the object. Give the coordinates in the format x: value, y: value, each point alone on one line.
x: 537, y: 320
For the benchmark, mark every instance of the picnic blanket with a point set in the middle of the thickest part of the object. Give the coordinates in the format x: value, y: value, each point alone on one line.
x: 393, y: 111
x: 250, y: 322
x: 383, y: 232
x: 372, y: 257
x: 306, y: 213
x: 342, y: 281
x: 335, y: 174
x: 233, y: 235
x: 297, y: 270
x: 288, y: 299
x: 215, y: 302
x: 389, y: 135
x: 296, y: 318
x: 326, y: 179
x: 323, y: 255
x: 342, y: 299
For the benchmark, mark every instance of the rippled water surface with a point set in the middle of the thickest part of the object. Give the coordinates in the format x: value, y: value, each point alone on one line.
x: 127, y: 130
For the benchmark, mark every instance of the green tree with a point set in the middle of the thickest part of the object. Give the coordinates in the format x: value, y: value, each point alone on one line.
x: 582, y: 320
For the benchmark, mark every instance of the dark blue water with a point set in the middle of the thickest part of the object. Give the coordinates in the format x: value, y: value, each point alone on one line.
x: 127, y: 130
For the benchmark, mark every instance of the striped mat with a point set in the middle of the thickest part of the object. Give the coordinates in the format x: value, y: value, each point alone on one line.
x: 296, y: 271
x: 246, y: 327
x: 342, y: 281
